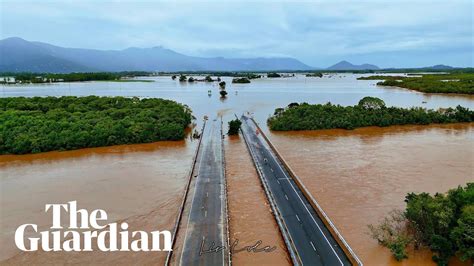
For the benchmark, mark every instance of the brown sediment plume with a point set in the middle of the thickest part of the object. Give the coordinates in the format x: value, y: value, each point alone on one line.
x: 138, y: 184
x: 250, y: 217
x: 359, y: 176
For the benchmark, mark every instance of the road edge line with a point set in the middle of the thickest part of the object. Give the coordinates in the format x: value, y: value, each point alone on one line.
x: 351, y: 255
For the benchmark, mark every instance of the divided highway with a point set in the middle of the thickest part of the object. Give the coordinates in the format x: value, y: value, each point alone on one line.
x: 310, y: 240
x: 207, y: 219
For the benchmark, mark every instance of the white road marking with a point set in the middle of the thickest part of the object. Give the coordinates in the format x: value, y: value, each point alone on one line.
x: 204, y: 147
x: 271, y: 169
x: 286, y: 197
x: 337, y: 256
x: 278, y: 181
x: 311, y: 242
x: 298, y: 218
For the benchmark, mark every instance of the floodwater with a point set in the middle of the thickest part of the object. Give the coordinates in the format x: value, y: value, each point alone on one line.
x: 365, y: 171
x: 359, y: 176
x: 138, y: 184
x: 260, y: 97
x: 246, y: 201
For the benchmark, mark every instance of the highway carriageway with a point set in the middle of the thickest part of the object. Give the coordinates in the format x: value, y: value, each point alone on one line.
x: 307, y: 237
x: 206, y: 221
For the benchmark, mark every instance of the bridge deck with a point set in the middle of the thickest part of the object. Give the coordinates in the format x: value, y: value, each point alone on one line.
x: 207, y: 218
x: 312, y: 241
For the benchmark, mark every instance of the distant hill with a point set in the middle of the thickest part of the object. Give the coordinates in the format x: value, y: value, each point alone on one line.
x: 439, y: 67
x: 18, y: 55
x: 344, y: 65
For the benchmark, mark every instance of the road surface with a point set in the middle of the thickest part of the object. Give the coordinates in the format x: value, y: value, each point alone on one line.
x: 207, y: 220
x: 313, y: 242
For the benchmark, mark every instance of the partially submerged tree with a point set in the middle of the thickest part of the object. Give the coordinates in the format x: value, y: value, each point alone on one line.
x: 234, y: 127
x: 273, y: 75
x: 393, y: 233
x: 240, y: 80
x: 443, y: 223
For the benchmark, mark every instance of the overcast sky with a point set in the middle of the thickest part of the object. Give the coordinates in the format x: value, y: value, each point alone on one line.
x: 319, y: 33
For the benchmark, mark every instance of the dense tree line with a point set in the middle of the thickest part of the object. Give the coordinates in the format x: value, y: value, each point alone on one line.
x: 443, y: 223
x: 31, y: 125
x: 370, y: 111
x: 73, y: 77
x: 434, y: 83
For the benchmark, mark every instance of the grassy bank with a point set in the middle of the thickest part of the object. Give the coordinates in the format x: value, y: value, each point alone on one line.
x: 461, y: 83
x: 32, y: 125
x: 369, y: 112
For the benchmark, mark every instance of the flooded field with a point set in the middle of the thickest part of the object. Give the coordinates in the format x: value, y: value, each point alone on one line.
x: 247, y: 201
x: 359, y: 176
x: 139, y: 184
x: 260, y: 97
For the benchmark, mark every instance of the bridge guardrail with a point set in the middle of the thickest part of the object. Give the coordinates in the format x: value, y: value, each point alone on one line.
x: 185, y: 194
x: 324, y: 217
x: 276, y: 212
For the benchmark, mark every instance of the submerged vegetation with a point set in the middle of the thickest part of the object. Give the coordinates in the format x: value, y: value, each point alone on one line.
x: 234, y: 127
x: 315, y: 74
x: 240, y: 80
x: 443, y: 223
x: 462, y: 83
x: 32, y: 125
x: 370, y: 111
x: 273, y: 75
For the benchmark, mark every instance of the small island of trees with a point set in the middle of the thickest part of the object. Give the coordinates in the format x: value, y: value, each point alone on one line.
x: 40, y: 124
x: 273, y: 75
x: 240, y: 80
x: 370, y: 111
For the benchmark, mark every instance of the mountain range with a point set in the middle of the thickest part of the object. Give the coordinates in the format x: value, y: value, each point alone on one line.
x: 19, y: 55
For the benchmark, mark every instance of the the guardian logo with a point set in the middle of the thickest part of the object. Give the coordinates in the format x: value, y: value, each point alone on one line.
x: 92, y: 232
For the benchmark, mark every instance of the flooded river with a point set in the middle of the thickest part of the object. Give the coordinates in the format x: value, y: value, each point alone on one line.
x: 137, y: 184
x: 358, y: 176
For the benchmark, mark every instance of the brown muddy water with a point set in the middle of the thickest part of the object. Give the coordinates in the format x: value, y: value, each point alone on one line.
x: 138, y: 184
x: 250, y: 217
x: 359, y: 176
